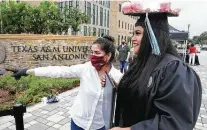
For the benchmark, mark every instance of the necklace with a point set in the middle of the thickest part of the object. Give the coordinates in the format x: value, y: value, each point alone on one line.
x: 103, y: 79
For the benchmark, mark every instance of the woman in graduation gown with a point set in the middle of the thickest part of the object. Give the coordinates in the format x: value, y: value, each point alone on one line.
x: 158, y: 92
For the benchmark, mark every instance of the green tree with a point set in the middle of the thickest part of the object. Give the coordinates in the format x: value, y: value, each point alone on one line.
x: 2, y: 16
x: 50, y: 14
x: 77, y: 19
x: 73, y: 18
x: 46, y: 18
x: 202, y: 39
x: 13, y: 15
x: 34, y: 22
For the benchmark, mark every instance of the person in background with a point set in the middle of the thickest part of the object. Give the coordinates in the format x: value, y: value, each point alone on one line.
x: 124, y: 53
x: 87, y: 109
x: 132, y: 55
x: 188, y: 46
x: 192, y: 54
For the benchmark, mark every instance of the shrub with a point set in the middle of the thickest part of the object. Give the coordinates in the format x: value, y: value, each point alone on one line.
x: 29, y: 90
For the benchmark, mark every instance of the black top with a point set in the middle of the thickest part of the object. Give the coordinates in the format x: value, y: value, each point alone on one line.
x: 173, y: 102
x: 123, y: 52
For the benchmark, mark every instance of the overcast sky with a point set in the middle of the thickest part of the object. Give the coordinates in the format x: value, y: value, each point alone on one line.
x: 194, y: 12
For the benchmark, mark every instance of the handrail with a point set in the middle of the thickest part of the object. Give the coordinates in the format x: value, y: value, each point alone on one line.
x: 18, y: 112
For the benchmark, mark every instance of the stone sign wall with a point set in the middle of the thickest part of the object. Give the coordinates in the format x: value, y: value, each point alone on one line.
x: 43, y: 50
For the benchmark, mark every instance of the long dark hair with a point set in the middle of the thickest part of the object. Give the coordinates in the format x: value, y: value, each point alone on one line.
x: 135, y: 80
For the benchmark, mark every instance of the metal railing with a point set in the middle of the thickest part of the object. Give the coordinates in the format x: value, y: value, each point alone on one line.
x: 18, y: 112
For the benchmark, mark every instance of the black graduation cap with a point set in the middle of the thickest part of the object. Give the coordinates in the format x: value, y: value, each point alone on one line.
x: 154, y: 20
x: 157, y: 19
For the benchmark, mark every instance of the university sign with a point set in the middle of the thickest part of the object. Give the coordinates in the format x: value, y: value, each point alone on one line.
x: 35, y: 51
x: 54, y: 52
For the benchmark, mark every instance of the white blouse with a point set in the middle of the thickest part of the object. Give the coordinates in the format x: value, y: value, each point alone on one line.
x: 87, y: 108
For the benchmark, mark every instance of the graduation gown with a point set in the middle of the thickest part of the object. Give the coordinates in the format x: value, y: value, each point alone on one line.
x: 173, y: 103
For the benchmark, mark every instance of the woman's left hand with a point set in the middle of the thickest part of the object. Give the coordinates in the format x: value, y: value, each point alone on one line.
x: 119, y: 128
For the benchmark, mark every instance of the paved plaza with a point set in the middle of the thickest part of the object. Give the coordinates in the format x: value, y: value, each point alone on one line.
x: 57, y: 116
x: 43, y: 116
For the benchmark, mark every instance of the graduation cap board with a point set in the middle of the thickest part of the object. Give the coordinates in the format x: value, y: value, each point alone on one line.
x: 135, y: 8
x: 152, y: 18
x: 153, y: 13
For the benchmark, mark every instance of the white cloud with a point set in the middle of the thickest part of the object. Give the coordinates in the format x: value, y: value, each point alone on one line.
x: 193, y: 13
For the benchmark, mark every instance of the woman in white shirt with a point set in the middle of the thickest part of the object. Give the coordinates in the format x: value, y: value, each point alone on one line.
x: 87, y: 108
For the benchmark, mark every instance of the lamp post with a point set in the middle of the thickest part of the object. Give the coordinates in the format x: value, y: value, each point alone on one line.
x: 186, y: 43
x: 188, y: 31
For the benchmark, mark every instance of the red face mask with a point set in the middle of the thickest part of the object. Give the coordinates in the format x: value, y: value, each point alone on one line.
x: 97, y: 61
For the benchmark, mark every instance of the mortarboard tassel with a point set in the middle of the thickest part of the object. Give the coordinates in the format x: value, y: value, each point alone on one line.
x: 152, y: 38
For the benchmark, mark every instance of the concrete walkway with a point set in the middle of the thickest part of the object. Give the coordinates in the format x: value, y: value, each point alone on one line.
x: 42, y: 116
x: 202, y: 119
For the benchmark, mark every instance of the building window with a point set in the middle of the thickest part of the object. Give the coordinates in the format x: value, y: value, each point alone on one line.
x: 119, y: 23
x: 77, y: 4
x: 61, y: 6
x: 107, y: 32
x: 99, y: 32
x: 122, y: 24
x: 118, y: 39
x: 128, y: 26
x: 70, y: 4
x: 119, y: 7
x: 94, y: 31
x: 97, y: 15
x: 85, y: 30
x: 85, y: 6
x: 66, y: 5
x: 89, y: 11
x: 105, y: 18
x: 89, y: 31
x: 100, y: 2
x: 108, y: 19
x: 125, y: 25
x: 108, y: 3
x: 101, y: 16
x: 94, y: 14
x: 73, y: 32
x: 102, y: 32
